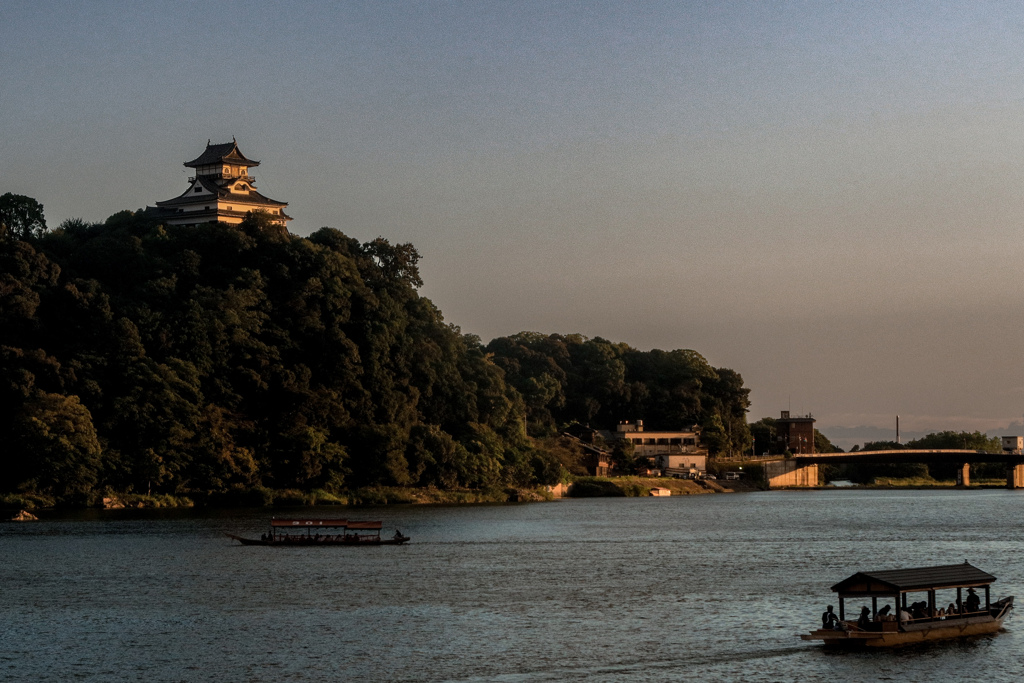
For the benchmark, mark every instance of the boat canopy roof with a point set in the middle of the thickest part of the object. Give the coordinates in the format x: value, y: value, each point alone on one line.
x: 891, y: 581
x: 309, y: 522
x: 325, y: 523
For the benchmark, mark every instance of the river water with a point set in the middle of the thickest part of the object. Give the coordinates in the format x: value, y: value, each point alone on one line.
x: 712, y: 587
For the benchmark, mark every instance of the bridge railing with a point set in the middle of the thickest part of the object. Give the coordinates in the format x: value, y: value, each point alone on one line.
x: 744, y: 458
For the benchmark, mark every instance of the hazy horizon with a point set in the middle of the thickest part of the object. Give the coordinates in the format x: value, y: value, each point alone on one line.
x: 826, y: 198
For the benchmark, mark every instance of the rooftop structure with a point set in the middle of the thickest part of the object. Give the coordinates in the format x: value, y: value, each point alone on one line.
x: 221, y: 191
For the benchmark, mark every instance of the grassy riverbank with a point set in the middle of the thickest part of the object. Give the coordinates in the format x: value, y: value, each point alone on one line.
x: 637, y: 487
x: 928, y: 483
x: 262, y: 497
x: 582, y: 487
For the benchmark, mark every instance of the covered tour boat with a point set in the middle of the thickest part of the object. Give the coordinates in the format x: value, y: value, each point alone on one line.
x: 325, y: 532
x: 899, y: 622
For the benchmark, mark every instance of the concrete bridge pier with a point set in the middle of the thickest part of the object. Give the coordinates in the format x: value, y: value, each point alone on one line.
x: 963, y: 475
x: 787, y: 473
x: 1015, y: 476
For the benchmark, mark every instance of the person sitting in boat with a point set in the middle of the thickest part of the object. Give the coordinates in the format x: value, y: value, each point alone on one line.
x: 950, y: 610
x: 398, y: 534
x: 973, y: 601
x: 864, y: 620
x: 883, y: 614
x: 905, y: 616
x: 829, y: 620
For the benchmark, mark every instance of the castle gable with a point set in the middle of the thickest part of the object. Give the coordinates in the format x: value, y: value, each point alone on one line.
x: 221, y: 191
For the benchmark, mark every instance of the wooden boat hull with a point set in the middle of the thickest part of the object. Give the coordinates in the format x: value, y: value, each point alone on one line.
x: 302, y: 542
x: 916, y: 633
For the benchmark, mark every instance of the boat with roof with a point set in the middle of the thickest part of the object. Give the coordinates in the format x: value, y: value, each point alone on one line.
x: 902, y: 621
x: 323, y: 532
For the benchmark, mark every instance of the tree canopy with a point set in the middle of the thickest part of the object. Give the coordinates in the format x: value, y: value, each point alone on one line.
x: 141, y: 357
x: 570, y: 378
x: 21, y: 217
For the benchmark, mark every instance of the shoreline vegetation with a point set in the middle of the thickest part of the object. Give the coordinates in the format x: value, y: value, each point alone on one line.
x: 924, y: 483
x: 582, y: 487
x: 241, y: 365
x: 262, y: 497
x: 220, y: 362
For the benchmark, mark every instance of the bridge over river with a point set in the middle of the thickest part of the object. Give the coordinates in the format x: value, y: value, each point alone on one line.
x: 802, y: 470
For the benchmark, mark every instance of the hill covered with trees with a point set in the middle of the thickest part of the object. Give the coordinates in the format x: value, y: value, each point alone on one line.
x: 149, y: 358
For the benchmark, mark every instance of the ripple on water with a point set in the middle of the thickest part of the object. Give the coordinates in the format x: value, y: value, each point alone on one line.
x: 687, y: 588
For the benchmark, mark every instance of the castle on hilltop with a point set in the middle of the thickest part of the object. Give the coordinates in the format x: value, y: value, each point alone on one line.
x: 221, y: 190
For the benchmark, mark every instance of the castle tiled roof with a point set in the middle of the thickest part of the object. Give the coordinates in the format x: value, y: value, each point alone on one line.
x: 215, y: 154
x: 252, y: 197
x: 222, y: 194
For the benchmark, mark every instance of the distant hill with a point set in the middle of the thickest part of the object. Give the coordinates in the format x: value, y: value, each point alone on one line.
x: 157, y: 359
x: 847, y: 437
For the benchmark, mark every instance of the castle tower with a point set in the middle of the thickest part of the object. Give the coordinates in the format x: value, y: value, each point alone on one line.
x: 221, y: 190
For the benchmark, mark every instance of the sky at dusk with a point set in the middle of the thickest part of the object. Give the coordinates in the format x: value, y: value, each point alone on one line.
x: 826, y: 197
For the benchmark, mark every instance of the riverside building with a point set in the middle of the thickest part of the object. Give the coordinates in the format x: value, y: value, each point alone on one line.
x: 665, y: 450
x: 795, y: 434
x: 220, y: 191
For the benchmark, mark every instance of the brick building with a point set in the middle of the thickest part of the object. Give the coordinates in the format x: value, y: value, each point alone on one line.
x: 795, y: 434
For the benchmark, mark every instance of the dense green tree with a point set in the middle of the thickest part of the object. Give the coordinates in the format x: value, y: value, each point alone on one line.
x: 58, y: 445
x: 823, y: 445
x: 624, y: 458
x: 20, y: 217
x: 566, y: 379
x: 145, y: 357
x: 714, y: 436
x: 764, y: 434
x: 974, y: 441
x: 882, y: 446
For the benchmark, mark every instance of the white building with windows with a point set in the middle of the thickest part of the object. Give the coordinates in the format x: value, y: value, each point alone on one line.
x: 665, y: 450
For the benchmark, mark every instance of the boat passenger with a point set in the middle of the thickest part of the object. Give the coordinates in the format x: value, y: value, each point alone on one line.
x: 864, y: 620
x: 905, y: 616
x: 950, y: 610
x: 829, y: 619
x: 973, y: 601
x: 883, y: 613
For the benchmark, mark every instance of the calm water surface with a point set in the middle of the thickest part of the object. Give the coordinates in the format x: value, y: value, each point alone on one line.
x: 684, y: 588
